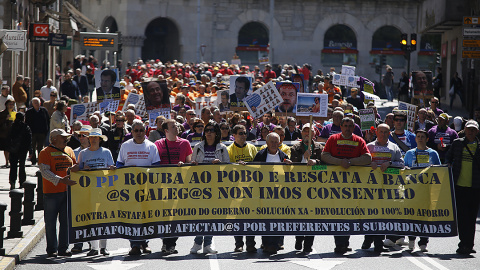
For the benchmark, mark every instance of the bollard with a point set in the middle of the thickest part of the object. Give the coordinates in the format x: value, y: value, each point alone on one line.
x: 16, y: 214
x: 28, y: 203
x: 39, y: 205
x: 3, y: 207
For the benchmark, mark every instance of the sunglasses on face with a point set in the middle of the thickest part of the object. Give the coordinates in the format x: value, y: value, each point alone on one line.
x: 225, y: 128
x: 139, y: 130
x: 209, y: 130
x: 399, y: 120
x: 120, y: 120
x: 199, y: 127
x: 242, y: 133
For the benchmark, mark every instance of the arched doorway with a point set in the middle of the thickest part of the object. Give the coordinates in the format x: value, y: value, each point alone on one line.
x: 110, y: 25
x: 252, y: 43
x: 162, y: 41
x: 339, y: 46
x: 386, y: 41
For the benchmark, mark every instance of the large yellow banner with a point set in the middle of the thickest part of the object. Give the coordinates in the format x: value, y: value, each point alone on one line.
x: 232, y: 199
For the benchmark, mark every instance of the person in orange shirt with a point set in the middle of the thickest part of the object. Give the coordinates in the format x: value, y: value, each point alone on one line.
x: 54, y: 162
x: 331, y: 89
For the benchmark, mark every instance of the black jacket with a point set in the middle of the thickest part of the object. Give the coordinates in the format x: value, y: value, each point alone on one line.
x: 297, y: 134
x: 19, y: 138
x: 39, y: 122
x: 454, y: 157
x: 262, y: 155
x: 428, y: 125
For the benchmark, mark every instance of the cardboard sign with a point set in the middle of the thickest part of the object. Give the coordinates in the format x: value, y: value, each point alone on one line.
x: 202, y: 102
x: 367, y: 119
x: 108, y: 106
x: 82, y: 111
x: 138, y: 101
x: 411, y: 113
x: 153, y: 114
x: 263, y: 100
x: 312, y: 104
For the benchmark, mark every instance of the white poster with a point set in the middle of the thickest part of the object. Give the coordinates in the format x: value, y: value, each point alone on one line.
x: 153, y: 114
x: 138, y: 101
x: 263, y: 100
x: 348, y: 70
x: 411, y: 113
x: 202, y: 102
x: 82, y: 111
x: 109, y: 106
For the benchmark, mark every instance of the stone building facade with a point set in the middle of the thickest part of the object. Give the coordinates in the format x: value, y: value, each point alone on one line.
x: 300, y: 31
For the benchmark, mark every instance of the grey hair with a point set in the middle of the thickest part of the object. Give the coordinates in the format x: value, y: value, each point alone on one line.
x: 137, y: 122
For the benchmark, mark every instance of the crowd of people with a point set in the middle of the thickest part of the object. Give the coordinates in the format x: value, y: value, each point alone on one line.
x: 41, y: 128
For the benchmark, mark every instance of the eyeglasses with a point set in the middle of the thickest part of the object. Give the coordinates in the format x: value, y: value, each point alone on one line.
x: 139, y: 130
x: 191, y: 114
x: 53, y: 95
x: 399, y: 120
x: 225, y: 128
x: 120, y: 120
x: 434, y: 102
x: 242, y: 133
x: 209, y: 130
x: 199, y: 126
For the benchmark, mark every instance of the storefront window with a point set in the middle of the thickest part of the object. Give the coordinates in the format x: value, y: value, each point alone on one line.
x: 340, y: 46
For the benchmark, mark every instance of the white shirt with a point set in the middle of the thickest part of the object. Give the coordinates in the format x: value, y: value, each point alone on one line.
x: 46, y: 92
x: 133, y: 154
x: 273, y: 158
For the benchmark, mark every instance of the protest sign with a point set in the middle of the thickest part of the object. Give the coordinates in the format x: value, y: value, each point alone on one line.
x: 411, y: 113
x: 288, y: 91
x: 263, y: 100
x: 367, y: 119
x: 348, y: 70
x: 108, y: 106
x: 156, y: 95
x: 312, y: 104
x: 259, y: 199
x: 202, y: 102
x: 153, y: 114
x: 223, y: 101
x: 107, y: 84
x: 240, y: 88
x: 138, y: 101
x: 82, y: 111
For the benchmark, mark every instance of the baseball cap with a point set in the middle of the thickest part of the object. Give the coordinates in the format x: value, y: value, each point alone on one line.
x: 445, y: 116
x: 306, y: 126
x: 472, y: 123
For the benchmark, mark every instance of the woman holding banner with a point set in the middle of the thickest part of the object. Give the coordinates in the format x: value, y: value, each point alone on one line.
x: 96, y: 157
x: 209, y: 150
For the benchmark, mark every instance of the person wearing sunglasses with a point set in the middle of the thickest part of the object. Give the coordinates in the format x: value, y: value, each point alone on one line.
x: 241, y: 152
x: 132, y: 153
x: 95, y: 157
x: 434, y: 102
x: 225, y: 132
x: 209, y: 150
x: 197, y: 131
x: 172, y: 150
x: 116, y: 135
x: 401, y: 136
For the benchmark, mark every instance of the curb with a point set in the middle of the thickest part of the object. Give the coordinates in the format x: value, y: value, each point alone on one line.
x: 23, y: 247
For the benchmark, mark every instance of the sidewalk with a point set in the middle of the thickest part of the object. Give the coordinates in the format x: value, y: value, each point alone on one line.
x: 17, y: 248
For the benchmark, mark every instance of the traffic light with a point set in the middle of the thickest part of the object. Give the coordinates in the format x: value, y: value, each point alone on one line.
x: 383, y: 60
x: 403, y: 42
x: 413, y: 42
x: 437, y: 58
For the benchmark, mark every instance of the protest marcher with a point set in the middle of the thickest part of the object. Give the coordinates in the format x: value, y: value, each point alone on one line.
x: 47, y: 89
x: 74, y: 141
x: 18, y: 92
x: 388, y: 82
x: 240, y: 152
x: 81, y: 81
x: 464, y: 159
x: 190, y: 114
x: 132, y: 153
x: 180, y: 103
x: 83, y: 137
x: 96, y: 157
x: 59, y: 119
x: 116, y: 135
x: 205, y: 114
x: 422, y: 122
x: 209, y: 150
x: 441, y: 136
x: 283, y: 147
x: 158, y: 133
x: 4, y: 96
x: 355, y: 100
x: 196, y: 133
x: 355, y: 152
x: 384, y: 154
x: 38, y: 120
x: 438, y: 82
x: 301, y: 153
x: 292, y: 133
x: 403, y: 87
x: 421, y: 156
x: 70, y: 88
x: 19, y: 143
x: 335, y: 128
x: 7, y: 116
x: 172, y: 150
x: 225, y: 131
x: 457, y: 85
x: 54, y: 161
x: 434, y: 102
x: 272, y: 154
x: 51, y: 103
x: 401, y: 136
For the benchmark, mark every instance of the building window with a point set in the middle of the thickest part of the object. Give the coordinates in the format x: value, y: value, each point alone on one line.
x: 430, y: 45
x: 339, y: 46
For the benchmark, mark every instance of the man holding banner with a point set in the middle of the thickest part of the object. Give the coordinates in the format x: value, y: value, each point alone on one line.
x: 138, y: 152
x: 345, y: 149
x: 384, y: 154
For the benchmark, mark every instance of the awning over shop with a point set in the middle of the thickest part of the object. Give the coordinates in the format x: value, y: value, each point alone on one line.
x: 80, y: 17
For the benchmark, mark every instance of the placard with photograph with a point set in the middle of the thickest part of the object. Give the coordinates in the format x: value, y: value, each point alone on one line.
x: 240, y: 88
x: 312, y: 104
x: 109, y: 106
x: 82, y: 111
x: 107, y: 84
x: 288, y: 92
x: 153, y: 114
x: 263, y: 100
x: 138, y: 101
x: 156, y: 95
x: 411, y: 113
x: 367, y: 119
x: 223, y: 100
